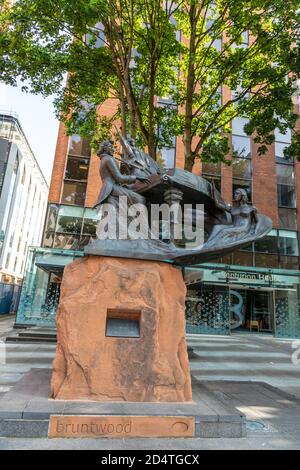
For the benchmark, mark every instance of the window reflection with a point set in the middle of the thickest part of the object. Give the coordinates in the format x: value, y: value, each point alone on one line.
x: 243, y: 258
x: 267, y: 244
x: 287, y: 218
x: 211, y: 168
x: 77, y: 169
x: 79, y: 146
x: 51, y: 218
x: 288, y: 242
x: 241, y: 146
x: 166, y: 157
x: 212, y: 173
x: 48, y: 240
x: 66, y: 242
x: 74, y: 193
x: 241, y: 168
x: 70, y: 227
x: 238, y: 125
x: 266, y: 260
x: 285, y: 185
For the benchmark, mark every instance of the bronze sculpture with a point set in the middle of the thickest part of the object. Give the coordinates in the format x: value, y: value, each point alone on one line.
x: 243, y: 219
x: 227, y: 228
x: 113, y: 179
x: 138, y: 161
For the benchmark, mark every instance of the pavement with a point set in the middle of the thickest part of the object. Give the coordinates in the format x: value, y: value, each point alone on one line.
x: 241, y: 361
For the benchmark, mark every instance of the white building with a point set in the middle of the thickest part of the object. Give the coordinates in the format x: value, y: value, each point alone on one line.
x: 23, y: 199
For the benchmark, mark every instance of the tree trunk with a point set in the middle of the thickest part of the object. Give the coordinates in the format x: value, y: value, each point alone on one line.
x: 189, y: 157
x: 123, y: 110
x: 152, y: 134
x: 189, y: 162
x: 130, y: 106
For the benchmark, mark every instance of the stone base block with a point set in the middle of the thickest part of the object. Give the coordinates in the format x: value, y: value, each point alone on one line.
x: 121, y: 332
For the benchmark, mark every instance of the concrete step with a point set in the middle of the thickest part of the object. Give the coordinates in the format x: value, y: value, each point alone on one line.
x: 29, y: 339
x: 33, y: 335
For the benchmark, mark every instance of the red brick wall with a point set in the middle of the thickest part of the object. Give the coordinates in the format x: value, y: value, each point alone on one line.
x: 264, y: 183
x: 108, y: 109
x: 58, y: 170
x: 94, y: 182
x: 179, y: 153
x: 226, y: 183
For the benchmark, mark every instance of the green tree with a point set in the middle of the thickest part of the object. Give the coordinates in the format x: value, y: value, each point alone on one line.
x: 250, y: 47
x: 143, y: 57
x: 46, y: 39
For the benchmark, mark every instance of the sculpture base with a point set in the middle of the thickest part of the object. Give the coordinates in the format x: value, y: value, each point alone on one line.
x: 121, y: 332
x: 27, y: 412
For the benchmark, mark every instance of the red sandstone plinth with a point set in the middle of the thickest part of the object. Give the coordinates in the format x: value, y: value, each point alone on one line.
x: 89, y: 365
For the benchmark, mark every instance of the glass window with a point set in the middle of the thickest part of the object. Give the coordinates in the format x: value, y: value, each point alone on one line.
x: 241, y: 168
x: 267, y: 244
x: 48, y: 240
x: 279, y: 150
x: 285, y: 185
x: 74, y: 193
x: 242, y: 258
x: 211, y: 168
x: 248, y: 248
x: 79, y: 146
x: 77, y: 169
x: 286, y: 195
x: 266, y: 260
x: 91, y: 219
x: 214, y: 179
x: 67, y: 242
x: 217, y: 44
x: 289, y: 262
x: 287, y: 218
x: 238, y: 125
x: 237, y: 92
x: 285, y: 174
x: 69, y: 219
x: 4, y: 151
x: 23, y: 176
x: 279, y: 137
x: 51, y: 218
x: 84, y: 240
x: 245, y: 37
x: 96, y: 38
x: 243, y: 42
x: 241, y: 146
x: 9, y: 202
x: 167, y: 156
x: 7, y: 260
x: 288, y: 242
x: 226, y: 259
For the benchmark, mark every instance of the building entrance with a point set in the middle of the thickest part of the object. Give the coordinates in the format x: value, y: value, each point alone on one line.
x: 251, y: 310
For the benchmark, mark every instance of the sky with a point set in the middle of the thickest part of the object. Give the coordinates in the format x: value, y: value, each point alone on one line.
x: 36, y: 116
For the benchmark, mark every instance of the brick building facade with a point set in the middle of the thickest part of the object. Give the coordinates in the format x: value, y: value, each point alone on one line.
x: 255, y: 289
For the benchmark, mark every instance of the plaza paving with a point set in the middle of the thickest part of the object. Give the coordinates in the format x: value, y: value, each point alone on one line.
x: 273, y: 414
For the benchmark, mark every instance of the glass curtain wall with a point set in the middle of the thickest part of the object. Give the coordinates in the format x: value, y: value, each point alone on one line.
x: 207, y: 309
x: 241, y: 165
x: 69, y: 227
x: 76, y: 173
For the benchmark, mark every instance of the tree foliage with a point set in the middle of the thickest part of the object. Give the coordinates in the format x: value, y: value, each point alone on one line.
x: 187, y: 52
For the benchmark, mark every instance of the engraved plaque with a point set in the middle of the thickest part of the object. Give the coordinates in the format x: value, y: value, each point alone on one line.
x: 121, y: 426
